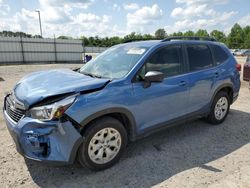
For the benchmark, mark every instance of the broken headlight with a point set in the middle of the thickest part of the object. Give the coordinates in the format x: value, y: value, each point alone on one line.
x: 52, y: 111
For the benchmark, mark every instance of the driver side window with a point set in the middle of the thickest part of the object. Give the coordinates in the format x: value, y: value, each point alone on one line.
x: 167, y: 60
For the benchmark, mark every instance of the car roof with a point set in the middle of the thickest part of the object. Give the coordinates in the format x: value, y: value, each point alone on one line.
x: 146, y: 43
x: 152, y: 43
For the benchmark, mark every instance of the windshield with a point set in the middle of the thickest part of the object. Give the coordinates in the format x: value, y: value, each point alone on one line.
x: 115, y: 62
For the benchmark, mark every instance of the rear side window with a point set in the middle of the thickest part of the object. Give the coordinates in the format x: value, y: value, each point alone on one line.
x: 220, y: 56
x: 199, y: 57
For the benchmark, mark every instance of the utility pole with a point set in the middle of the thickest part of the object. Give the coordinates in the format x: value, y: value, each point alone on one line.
x: 41, y: 33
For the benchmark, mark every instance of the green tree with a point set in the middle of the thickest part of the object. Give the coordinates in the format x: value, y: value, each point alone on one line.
x: 64, y: 37
x: 37, y: 36
x: 202, y: 33
x: 160, y: 34
x: 14, y: 34
x: 188, y: 34
x: 236, y: 37
x: 91, y: 41
x: 178, y: 34
x: 246, y: 31
x: 132, y: 37
x: 147, y: 37
x: 218, y: 35
x: 97, y: 41
x: 129, y: 37
x: 246, y: 44
x: 115, y: 40
x: 85, y: 40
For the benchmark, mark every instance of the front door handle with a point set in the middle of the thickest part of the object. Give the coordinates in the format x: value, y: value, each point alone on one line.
x: 182, y: 83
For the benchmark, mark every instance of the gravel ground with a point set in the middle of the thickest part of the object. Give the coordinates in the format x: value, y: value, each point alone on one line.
x: 194, y: 154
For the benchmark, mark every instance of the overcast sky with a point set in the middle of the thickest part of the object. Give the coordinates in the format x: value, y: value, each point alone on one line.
x: 109, y: 17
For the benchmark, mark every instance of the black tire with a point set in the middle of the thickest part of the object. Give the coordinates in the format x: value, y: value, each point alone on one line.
x: 93, y: 128
x: 211, y: 117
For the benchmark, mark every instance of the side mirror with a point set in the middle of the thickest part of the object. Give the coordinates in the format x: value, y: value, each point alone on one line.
x: 153, y: 76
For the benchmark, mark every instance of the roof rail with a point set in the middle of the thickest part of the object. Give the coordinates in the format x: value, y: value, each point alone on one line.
x: 188, y: 38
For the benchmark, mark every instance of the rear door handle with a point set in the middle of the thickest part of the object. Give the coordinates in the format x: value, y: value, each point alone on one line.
x: 182, y: 83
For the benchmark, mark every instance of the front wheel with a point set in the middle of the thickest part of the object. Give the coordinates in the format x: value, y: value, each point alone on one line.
x: 219, y: 109
x: 105, y: 140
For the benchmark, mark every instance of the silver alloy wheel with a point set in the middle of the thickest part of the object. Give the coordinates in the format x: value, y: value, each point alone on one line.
x: 221, y: 107
x: 104, y: 145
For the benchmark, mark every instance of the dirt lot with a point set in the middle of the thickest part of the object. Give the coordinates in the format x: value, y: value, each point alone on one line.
x: 194, y: 154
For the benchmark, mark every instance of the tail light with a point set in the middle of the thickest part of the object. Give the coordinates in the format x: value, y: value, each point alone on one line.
x: 238, y: 67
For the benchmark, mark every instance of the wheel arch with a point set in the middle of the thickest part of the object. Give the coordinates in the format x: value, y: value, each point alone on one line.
x: 121, y: 114
x: 228, y: 88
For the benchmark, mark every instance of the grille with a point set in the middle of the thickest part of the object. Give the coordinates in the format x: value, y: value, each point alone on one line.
x: 14, y: 113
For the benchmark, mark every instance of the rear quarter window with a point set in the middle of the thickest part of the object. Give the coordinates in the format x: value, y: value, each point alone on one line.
x: 220, y: 56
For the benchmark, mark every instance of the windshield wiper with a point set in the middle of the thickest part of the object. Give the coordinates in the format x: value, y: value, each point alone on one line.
x: 76, y: 69
x: 97, y: 76
x: 91, y: 75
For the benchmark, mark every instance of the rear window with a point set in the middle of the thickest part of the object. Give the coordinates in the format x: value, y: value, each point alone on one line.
x: 220, y: 56
x: 199, y: 57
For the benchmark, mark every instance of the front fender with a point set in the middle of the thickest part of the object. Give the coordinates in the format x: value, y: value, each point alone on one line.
x: 84, y: 117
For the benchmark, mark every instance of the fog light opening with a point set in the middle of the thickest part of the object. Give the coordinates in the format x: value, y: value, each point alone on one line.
x: 38, y: 145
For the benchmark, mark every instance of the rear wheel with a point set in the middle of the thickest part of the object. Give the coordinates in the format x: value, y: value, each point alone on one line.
x: 219, y: 109
x: 105, y: 140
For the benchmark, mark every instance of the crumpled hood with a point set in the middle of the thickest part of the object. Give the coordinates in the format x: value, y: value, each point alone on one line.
x: 39, y: 85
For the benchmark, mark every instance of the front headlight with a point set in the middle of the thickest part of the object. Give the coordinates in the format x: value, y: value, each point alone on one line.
x: 52, y: 111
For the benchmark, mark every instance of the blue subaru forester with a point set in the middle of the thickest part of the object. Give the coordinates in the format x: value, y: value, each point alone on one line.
x: 126, y: 93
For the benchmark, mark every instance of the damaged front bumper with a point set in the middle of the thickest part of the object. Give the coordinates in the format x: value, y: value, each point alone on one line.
x: 50, y: 141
